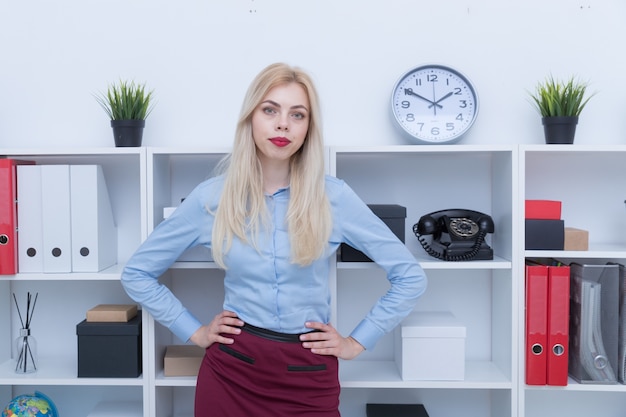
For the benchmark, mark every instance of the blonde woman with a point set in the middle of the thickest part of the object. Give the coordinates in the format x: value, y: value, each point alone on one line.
x: 272, y: 221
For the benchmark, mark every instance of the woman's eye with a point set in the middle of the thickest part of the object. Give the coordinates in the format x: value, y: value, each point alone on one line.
x: 269, y: 110
x: 299, y: 116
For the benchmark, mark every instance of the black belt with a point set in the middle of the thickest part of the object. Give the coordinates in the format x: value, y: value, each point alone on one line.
x: 272, y: 335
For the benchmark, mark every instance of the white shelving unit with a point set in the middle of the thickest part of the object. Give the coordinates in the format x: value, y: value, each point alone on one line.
x: 481, y: 293
x: 488, y: 296
x: 64, y: 298
x: 590, y: 183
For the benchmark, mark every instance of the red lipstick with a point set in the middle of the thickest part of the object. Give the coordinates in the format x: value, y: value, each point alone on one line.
x: 280, y: 141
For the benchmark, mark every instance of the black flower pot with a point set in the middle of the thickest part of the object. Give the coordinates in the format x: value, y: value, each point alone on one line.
x: 128, y: 133
x: 560, y: 129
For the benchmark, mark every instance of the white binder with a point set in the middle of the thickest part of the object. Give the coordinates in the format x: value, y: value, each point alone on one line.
x: 56, y: 218
x: 29, y: 219
x: 94, y: 235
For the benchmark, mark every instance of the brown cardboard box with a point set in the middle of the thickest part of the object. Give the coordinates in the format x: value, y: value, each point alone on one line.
x: 576, y: 239
x: 119, y: 313
x: 183, y: 360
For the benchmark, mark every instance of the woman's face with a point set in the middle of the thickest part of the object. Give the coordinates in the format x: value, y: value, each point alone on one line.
x: 280, y: 122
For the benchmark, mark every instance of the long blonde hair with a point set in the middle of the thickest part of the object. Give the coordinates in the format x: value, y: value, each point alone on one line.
x: 242, y: 212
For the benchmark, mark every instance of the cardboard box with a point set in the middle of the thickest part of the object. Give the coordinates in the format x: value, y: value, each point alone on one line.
x: 594, y: 323
x: 109, y: 349
x: 394, y: 217
x: 543, y: 209
x: 182, y: 360
x: 545, y: 234
x: 112, y: 313
x: 430, y: 346
x: 576, y: 239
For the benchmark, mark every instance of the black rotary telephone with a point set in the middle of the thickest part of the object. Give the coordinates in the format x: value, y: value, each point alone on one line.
x: 457, y: 234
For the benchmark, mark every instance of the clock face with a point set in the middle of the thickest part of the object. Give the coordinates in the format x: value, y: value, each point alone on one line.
x: 434, y: 104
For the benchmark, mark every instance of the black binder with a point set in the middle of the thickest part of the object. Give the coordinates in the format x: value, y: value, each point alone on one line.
x: 396, y: 410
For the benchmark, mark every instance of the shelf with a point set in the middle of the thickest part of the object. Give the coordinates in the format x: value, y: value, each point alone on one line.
x: 599, y: 252
x: 58, y: 371
x: 118, y: 408
x: 421, y: 149
x: 174, y: 381
x: 431, y: 263
x: 572, y: 385
x: 385, y: 374
x: 110, y: 274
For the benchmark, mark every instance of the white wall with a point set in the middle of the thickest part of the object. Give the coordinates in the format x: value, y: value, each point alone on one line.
x: 200, y: 55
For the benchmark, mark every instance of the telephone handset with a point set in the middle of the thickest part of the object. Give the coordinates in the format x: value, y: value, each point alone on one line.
x: 457, y: 234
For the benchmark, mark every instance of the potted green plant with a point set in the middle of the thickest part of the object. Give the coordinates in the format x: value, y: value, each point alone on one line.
x: 128, y: 105
x: 560, y: 103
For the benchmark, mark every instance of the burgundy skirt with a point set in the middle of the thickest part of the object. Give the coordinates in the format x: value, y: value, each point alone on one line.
x: 266, y: 374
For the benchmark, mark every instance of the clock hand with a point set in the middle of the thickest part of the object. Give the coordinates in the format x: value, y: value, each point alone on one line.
x: 412, y: 93
x: 436, y: 103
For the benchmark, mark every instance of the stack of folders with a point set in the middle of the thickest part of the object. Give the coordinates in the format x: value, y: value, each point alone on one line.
x: 65, y: 221
x: 547, y: 324
x: 595, y: 323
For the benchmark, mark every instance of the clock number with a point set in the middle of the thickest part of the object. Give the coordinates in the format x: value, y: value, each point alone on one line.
x: 418, y: 82
x: 410, y: 117
x: 459, y: 117
x: 463, y: 104
x: 431, y: 78
x: 457, y: 91
x: 434, y: 131
x: 449, y: 126
x: 406, y: 104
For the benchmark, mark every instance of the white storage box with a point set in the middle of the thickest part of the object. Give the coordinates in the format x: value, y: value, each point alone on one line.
x: 430, y: 346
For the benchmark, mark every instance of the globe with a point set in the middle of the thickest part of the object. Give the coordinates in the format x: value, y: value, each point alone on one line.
x: 27, y: 405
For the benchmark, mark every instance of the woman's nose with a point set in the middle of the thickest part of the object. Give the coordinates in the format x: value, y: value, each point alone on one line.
x: 282, y: 124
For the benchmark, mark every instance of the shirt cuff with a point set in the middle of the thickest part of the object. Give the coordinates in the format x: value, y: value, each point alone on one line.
x: 367, y: 334
x: 185, y: 326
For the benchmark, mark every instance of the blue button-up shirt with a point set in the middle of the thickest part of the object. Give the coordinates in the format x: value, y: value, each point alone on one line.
x: 261, y: 285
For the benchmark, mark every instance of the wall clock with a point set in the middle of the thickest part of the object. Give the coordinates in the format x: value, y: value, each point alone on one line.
x: 434, y: 104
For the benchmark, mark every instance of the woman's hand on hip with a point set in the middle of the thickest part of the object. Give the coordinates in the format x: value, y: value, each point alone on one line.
x: 328, y: 341
x: 224, y: 323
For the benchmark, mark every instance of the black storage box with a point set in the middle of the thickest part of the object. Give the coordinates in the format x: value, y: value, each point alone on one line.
x: 545, y: 234
x: 393, y: 215
x: 395, y: 410
x: 109, y: 349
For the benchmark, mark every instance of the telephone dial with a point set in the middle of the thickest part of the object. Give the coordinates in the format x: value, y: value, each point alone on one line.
x: 457, y: 234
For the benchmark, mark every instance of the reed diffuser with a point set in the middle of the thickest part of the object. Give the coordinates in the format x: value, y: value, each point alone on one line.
x: 26, y: 345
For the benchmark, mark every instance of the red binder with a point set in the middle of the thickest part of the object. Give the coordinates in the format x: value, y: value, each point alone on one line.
x: 8, y: 216
x: 558, y: 325
x: 536, y: 324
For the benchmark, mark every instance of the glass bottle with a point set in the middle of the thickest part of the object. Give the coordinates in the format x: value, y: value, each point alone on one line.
x: 26, y: 353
